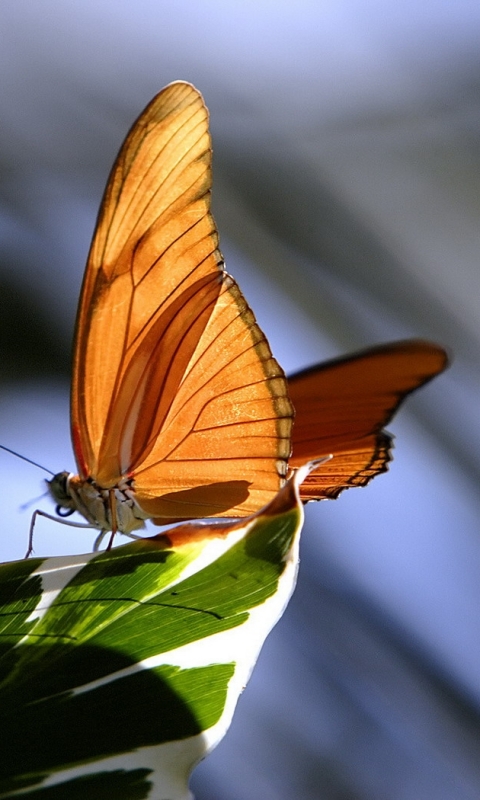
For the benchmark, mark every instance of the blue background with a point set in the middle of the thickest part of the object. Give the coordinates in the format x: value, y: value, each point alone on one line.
x: 346, y: 192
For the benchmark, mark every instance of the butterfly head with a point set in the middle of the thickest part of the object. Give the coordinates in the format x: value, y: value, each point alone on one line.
x: 59, y: 490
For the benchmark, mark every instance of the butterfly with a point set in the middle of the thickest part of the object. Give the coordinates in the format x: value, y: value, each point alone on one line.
x: 178, y: 409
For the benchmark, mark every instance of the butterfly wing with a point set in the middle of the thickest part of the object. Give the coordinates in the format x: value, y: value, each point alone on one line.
x: 174, y: 384
x: 342, y: 406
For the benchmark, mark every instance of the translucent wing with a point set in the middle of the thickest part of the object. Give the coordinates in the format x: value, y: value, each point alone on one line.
x: 174, y: 384
x: 342, y: 405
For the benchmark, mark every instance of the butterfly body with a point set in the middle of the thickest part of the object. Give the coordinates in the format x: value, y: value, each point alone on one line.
x: 104, y: 509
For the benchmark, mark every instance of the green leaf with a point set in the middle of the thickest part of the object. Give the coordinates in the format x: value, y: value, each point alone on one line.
x: 120, y: 670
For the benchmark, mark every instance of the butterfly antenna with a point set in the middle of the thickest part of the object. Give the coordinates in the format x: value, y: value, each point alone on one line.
x: 24, y: 458
x: 30, y: 503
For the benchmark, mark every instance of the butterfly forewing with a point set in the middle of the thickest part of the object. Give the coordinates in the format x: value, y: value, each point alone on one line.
x: 341, y: 407
x: 174, y: 384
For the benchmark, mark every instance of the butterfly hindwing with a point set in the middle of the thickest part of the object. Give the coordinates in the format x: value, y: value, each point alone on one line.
x: 342, y: 405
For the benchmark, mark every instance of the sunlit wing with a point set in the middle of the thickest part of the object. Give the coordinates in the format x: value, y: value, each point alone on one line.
x: 174, y: 384
x: 342, y: 406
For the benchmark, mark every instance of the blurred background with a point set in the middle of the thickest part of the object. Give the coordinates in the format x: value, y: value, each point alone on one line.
x: 346, y: 192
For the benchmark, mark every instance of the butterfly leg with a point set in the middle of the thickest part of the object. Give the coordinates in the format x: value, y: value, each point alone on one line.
x: 39, y: 513
x: 98, y: 541
x: 113, y: 513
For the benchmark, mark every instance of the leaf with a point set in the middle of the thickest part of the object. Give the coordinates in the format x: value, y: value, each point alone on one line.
x: 120, y: 670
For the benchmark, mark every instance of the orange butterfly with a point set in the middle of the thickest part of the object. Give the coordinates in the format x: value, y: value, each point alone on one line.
x: 178, y: 409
